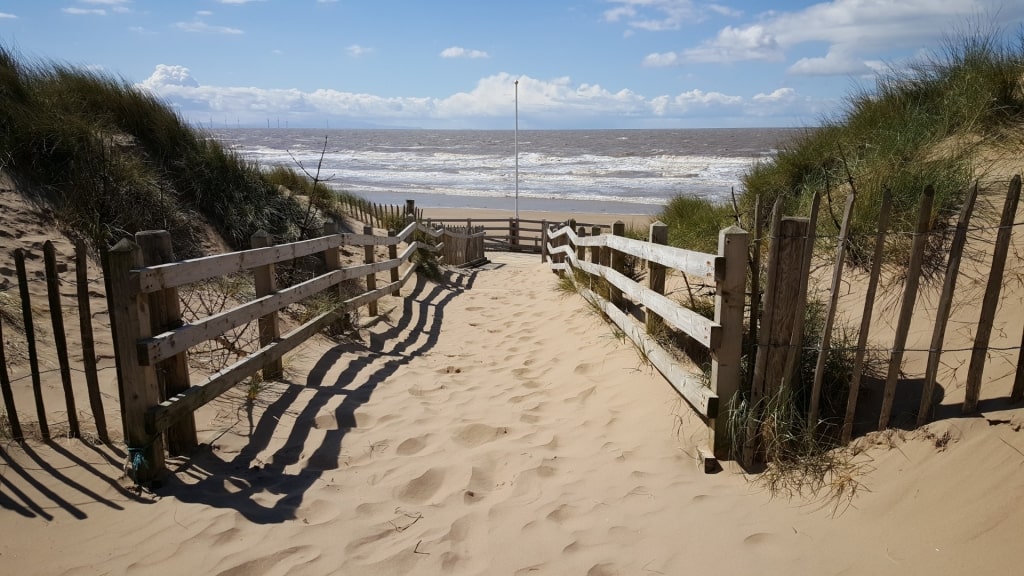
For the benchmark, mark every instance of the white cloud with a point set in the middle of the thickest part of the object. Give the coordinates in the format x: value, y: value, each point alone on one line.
x: 238, y: 1
x: 661, y: 15
x: 356, y: 50
x: 4, y: 15
x: 84, y: 11
x: 204, y: 13
x: 657, y: 60
x: 166, y: 75
x: 751, y: 43
x: 459, y: 52
x: 855, y: 32
x: 107, y: 2
x: 551, y: 102
x: 202, y: 27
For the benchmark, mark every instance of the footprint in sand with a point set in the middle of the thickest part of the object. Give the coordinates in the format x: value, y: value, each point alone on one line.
x: 423, y: 487
x: 410, y: 446
x: 477, y: 434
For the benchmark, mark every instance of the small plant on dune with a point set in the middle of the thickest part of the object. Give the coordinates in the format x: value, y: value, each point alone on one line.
x: 802, y: 459
x: 10, y: 311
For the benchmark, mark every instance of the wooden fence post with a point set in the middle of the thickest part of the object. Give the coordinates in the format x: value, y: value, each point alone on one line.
x: 332, y: 257
x: 513, y: 233
x: 956, y: 250
x: 30, y: 339
x: 265, y: 281
x: 371, y: 278
x: 991, y: 300
x: 656, y: 274
x: 543, y: 241
x: 595, y: 251
x: 782, y: 291
x: 830, y: 314
x: 917, y: 247
x: 581, y: 251
x: 165, y: 314
x: 129, y: 310
x: 393, y: 255
x: 410, y: 209
x: 865, y: 320
x: 8, y: 394
x: 88, y: 343
x: 730, y: 297
x: 618, y: 263
x: 60, y: 339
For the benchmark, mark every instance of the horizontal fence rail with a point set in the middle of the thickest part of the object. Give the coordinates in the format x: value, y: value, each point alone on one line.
x: 137, y: 293
x: 722, y: 336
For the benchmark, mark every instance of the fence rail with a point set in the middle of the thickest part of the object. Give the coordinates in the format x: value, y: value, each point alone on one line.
x: 142, y: 345
x: 723, y: 336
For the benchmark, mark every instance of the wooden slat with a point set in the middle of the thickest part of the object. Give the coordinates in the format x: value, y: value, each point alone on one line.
x: 865, y: 323
x: 830, y: 314
x: 989, y: 303
x: 956, y: 250
x: 30, y: 339
x: 907, y: 305
x: 687, y: 261
x: 60, y: 339
x: 88, y: 343
x: 703, y: 330
x: 160, y: 417
x: 176, y: 341
x: 8, y: 394
x: 691, y: 386
x: 155, y: 278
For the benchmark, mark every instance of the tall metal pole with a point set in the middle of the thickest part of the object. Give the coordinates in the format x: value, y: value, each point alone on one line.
x: 517, y: 150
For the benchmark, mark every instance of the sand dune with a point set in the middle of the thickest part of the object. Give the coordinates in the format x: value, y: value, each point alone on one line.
x: 489, y: 425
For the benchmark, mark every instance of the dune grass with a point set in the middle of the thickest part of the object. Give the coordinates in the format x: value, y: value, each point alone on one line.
x: 111, y: 159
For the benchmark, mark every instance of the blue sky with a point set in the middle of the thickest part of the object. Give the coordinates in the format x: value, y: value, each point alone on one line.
x: 453, y: 64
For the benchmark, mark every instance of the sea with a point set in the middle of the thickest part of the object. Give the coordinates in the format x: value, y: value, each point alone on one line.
x: 591, y: 171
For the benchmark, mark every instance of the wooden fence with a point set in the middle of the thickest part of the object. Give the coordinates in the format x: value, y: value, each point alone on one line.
x: 88, y: 370
x: 506, y: 234
x: 151, y: 339
x: 463, y: 246
x: 721, y: 336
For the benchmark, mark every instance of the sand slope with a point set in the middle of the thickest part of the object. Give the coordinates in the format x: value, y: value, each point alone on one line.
x: 491, y: 426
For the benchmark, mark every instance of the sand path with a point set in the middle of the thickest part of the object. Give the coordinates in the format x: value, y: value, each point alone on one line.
x: 488, y: 426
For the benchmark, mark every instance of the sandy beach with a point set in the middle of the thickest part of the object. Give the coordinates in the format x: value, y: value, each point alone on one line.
x: 493, y: 425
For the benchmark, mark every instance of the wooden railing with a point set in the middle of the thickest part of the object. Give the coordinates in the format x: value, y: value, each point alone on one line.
x: 463, y: 246
x: 723, y: 336
x: 151, y: 340
x: 505, y: 234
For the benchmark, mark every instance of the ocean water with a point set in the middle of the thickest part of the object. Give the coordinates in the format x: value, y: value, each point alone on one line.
x: 610, y: 171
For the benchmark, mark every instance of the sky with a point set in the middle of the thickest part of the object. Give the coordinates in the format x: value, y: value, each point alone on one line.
x: 455, y: 64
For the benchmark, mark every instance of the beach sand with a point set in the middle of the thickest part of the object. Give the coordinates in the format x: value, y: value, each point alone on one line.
x: 493, y: 425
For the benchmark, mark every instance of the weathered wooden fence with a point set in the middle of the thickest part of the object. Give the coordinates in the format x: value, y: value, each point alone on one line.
x: 507, y: 234
x: 722, y: 336
x: 151, y: 339
x: 780, y: 334
x: 463, y: 246
x: 55, y: 310
x: 384, y: 216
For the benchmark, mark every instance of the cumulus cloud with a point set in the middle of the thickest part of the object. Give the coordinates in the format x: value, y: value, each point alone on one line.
x: 856, y: 34
x: 732, y: 44
x: 657, y: 60
x: 557, y: 101
x: 6, y: 15
x: 169, y: 75
x: 460, y: 52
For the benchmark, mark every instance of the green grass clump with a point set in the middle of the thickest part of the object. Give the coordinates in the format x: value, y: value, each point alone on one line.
x: 694, y: 223
x: 920, y: 124
x: 112, y: 159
